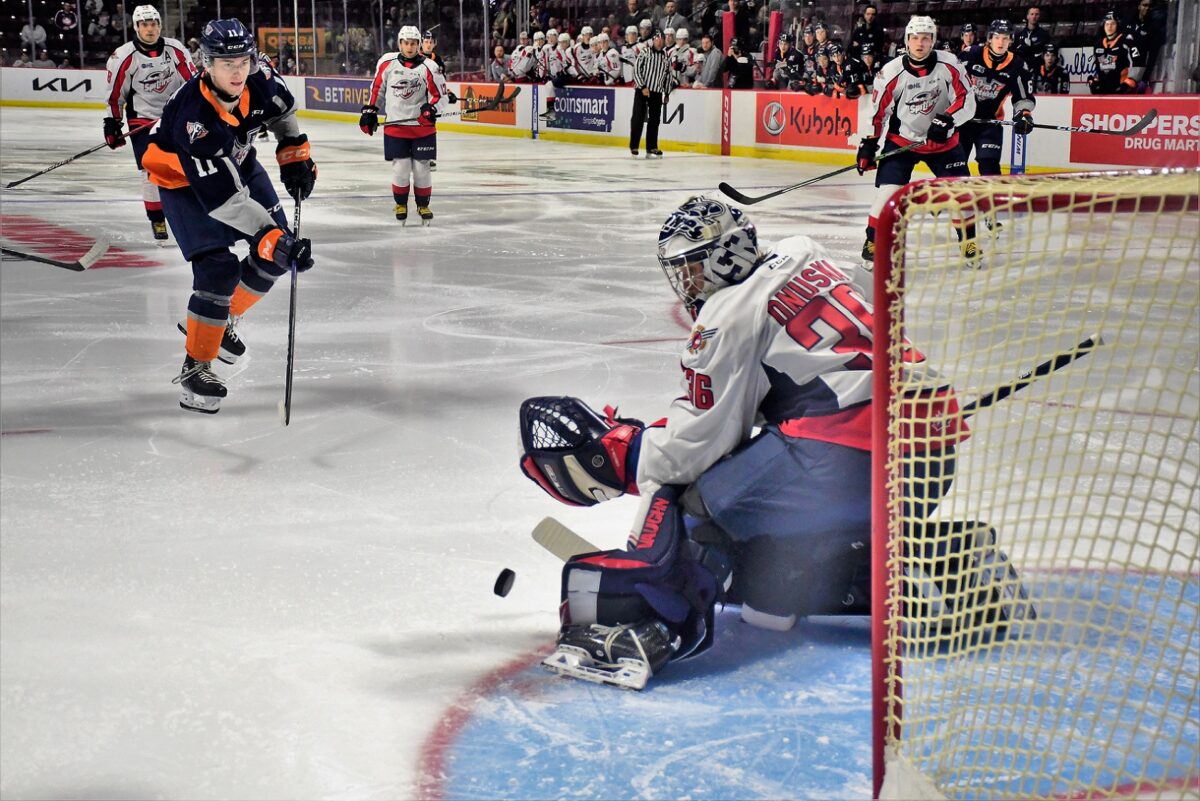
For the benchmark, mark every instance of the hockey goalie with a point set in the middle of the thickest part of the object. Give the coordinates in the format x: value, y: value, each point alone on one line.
x: 756, y: 488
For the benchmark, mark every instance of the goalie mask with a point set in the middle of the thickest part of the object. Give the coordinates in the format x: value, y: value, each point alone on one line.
x: 576, y: 455
x: 706, y: 245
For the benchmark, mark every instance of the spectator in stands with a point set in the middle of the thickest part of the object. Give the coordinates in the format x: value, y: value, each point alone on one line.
x: 33, y: 36
x: 868, y: 31
x: 1051, y: 78
x: 497, y: 68
x: 504, y: 22
x: 22, y: 60
x: 741, y: 24
x: 633, y: 14
x: 671, y: 18
x: 93, y: 7
x: 738, y: 66
x: 44, y: 60
x: 966, y: 42
x: 1031, y: 41
x: 1147, y: 30
x: 708, y: 74
x: 66, y: 19
x: 193, y: 46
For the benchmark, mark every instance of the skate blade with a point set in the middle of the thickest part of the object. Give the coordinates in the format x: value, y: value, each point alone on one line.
x: 570, y: 663
x: 199, y: 403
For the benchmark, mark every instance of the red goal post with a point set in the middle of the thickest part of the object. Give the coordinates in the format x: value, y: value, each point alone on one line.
x: 1035, y: 635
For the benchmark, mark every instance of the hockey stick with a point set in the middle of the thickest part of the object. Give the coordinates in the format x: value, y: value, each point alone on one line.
x: 64, y: 162
x: 560, y: 540
x: 1137, y: 127
x: 1056, y: 362
x: 285, y: 407
x: 79, y: 265
x: 491, y: 104
x: 747, y: 200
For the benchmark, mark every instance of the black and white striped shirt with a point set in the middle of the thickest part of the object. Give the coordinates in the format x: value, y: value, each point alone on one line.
x: 653, y: 71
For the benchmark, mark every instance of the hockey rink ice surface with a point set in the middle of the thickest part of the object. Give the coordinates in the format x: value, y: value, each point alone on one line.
x: 219, y: 606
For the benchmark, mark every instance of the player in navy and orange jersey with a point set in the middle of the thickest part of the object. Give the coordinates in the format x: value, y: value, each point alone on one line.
x: 407, y: 87
x: 215, y: 192
x: 1051, y: 77
x: 142, y: 75
x: 1114, y: 55
x: 996, y: 74
x: 921, y: 96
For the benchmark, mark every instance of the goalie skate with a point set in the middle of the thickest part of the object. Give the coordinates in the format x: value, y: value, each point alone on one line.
x: 621, y: 656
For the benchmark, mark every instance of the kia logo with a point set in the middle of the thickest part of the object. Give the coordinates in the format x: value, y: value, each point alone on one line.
x: 773, y: 118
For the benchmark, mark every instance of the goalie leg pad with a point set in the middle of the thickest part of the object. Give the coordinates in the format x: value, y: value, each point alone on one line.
x: 656, y: 578
x: 574, y: 454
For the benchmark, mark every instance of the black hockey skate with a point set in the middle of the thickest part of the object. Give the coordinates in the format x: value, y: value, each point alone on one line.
x: 654, y: 154
x: 426, y: 215
x: 232, y: 347
x: 623, y: 656
x: 200, y: 388
x: 160, y: 229
x: 633, y: 152
x: 402, y: 214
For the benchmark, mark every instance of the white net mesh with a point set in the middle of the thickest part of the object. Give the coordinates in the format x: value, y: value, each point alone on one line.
x: 1080, y: 677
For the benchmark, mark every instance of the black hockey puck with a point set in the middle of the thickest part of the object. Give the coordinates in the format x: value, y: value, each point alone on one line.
x: 504, y: 582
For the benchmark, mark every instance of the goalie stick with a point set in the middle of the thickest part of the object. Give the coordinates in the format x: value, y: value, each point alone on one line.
x: 491, y: 104
x: 89, y: 151
x: 1137, y: 127
x: 79, y: 265
x: 747, y: 200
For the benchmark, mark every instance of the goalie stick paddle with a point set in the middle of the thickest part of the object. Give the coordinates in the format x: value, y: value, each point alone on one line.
x: 491, y: 104
x: 89, y: 151
x: 747, y: 200
x: 285, y: 407
x: 1137, y: 127
x: 79, y: 265
x: 560, y: 540
x: 1056, y: 362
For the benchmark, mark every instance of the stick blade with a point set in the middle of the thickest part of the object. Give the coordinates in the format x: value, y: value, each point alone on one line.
x: 93, y: 255
x: 1143, y: 123
x: 732, y: 193
x: 560, y: 540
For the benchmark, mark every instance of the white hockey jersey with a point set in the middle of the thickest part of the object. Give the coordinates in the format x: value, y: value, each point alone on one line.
x: 683, y: 65
x: 629, y: 54
x: 583, y: 62
x: 608, y: 67
x: 790, y: 346
x: 906, y: 97
x: 401, y: 86
x: 522, y: 64
x: 558, y: 62
x: 142, y: 79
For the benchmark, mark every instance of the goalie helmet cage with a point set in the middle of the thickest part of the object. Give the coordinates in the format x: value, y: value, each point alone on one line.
x: 1088, y: 478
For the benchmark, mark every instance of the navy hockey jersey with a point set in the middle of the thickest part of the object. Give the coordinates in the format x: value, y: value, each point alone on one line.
x: 993, y: 79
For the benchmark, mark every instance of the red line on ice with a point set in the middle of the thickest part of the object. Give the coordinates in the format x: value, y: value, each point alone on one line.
x: 57, y: 242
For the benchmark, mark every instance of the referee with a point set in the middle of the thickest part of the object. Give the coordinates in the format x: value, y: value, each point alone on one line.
x: 651, y: 81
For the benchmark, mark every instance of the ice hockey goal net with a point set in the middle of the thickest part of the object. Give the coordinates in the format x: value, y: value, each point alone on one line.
x: 1035, y: 635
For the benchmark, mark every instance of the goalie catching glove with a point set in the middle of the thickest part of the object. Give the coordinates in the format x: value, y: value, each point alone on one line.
x: 576, y: 455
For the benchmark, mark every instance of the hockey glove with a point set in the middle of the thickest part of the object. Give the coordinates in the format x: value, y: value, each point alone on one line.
x: 941, y: 128
x: 368, y: 122
x: 451, y: 98
x: 275, y: 249
x: 113, y: 137
x: 1023, y: 124
x: 1094, y: 84
x: 296, y: 169
x: 866, y: 154
x: 428, y: 113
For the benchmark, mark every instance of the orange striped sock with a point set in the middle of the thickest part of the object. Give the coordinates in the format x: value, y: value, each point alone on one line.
x: 242, y: 300
x: 203, y: 340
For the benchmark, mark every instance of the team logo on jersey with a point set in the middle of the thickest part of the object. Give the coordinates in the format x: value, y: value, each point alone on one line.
x: 157, y: 82
x: 773, y: 118
x: 923, y: 102
x: 987, y: 89
x: 406, y: 85
x: 195, y: 131
x: 698, y: 341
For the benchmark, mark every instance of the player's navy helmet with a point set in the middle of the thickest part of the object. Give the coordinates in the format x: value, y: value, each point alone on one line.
x: 787, y: 37
x: 227, y: 38
x: 714, y: 234
x: 1051, y: 47
x: 1002, y: 26
x: 968, y: 27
